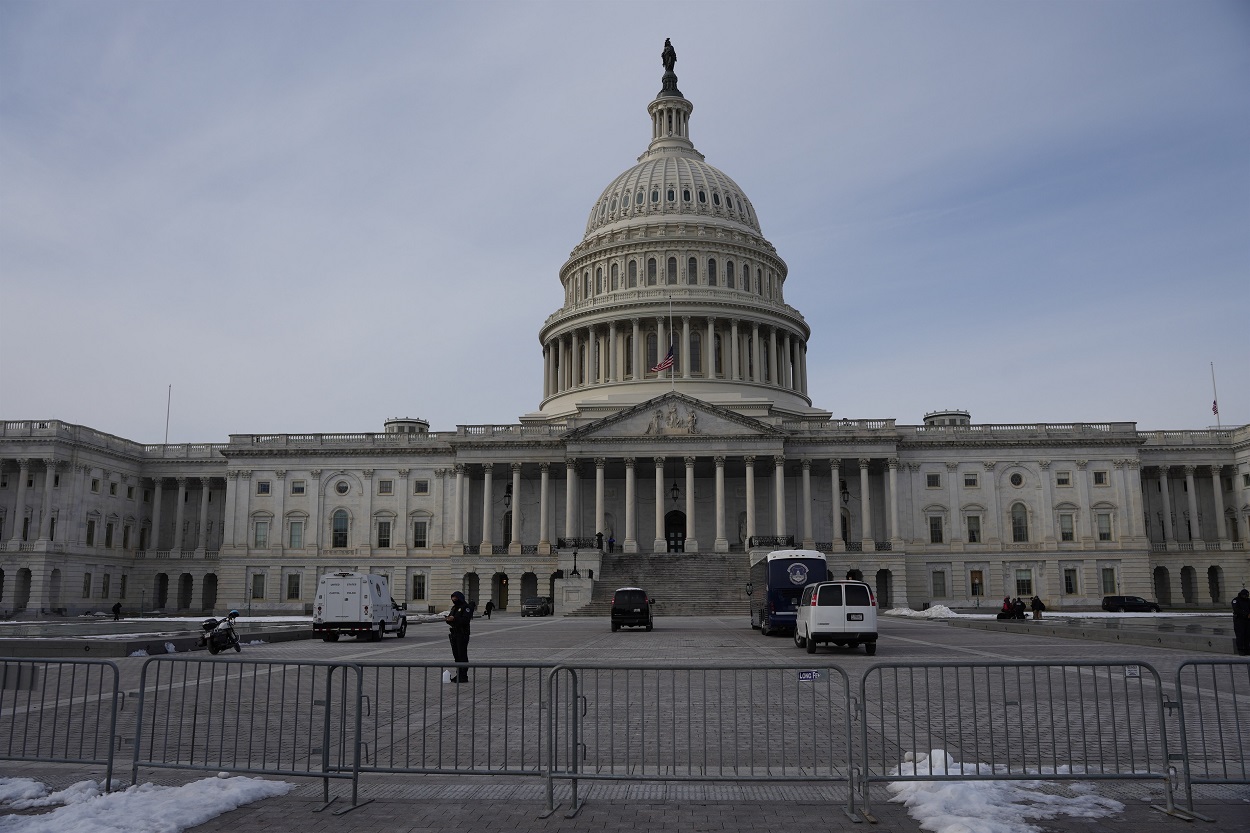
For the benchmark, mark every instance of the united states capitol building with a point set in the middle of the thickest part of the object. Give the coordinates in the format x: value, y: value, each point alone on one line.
x: 723, y: 452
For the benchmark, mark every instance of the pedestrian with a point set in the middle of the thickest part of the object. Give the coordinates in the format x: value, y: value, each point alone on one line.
x: 117, y: 611
x: 1241, y: 622
x: 458, y: 618
x: 1017, y: 607
x: 1038, y: 606
x: 611, y: 543
x: 490, y: 605
x: 1007, y: 611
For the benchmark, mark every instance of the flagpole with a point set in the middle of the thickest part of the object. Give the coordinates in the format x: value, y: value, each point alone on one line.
x: 672, y: 371
x: 168, y: 398
x: 1215, y: 402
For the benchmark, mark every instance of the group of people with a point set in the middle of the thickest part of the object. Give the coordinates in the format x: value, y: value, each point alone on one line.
x: 1015, y: 608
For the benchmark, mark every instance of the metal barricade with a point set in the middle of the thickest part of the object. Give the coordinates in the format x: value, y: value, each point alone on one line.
x: 1214, y: 701
x: 643, y: 722
x: 416, y: 723
x: 263, y: 717
x: 1071, y: 721
x: 60, y: 711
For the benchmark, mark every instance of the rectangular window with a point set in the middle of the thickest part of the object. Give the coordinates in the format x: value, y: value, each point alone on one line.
x: 113, y: 489
x: 91, y: 533
x: 262, y: 487
x: 1069, y: 581
x: 1024, y: 583
x: 258, y: 585
x: 86, y: 585
x: 121, y: 590
x: 297, y: 535
x: 1245, y: 480
x: 420, y: 534
x: 939, y: 585
x: 420, y: 487
x: 970, y: 480
x: 1104, y: 526
x: 1066, y: 529
x: 976, y: 579
x: 126, y: 537
x: 974, y: 529
x: 384, y: 534
x: 262, y: 535
x: 292, y: 586
x: 1108, y: 581
x: 1100, y: 478
x: 106, y: 581
x: 108, y: 534
x: 418, y: 586
x: 935, y: 529
x: 147, y: 495
x: 1063, y: 478
x: 95, y: 485
x: 297, y: 487
x: 130, y: 493
x: 933, y: 480
x: 386, y: 487
x: 4, y: 481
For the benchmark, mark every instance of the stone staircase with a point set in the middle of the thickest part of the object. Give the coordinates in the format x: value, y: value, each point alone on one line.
x: 683, y: 584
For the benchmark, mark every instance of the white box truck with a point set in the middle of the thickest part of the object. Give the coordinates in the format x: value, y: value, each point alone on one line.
x: 357, y: 604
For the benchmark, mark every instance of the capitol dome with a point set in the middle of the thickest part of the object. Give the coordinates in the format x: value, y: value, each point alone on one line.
x: 673, y: 286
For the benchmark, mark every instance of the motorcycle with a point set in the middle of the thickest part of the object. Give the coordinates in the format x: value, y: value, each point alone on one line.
x: 220, y: 635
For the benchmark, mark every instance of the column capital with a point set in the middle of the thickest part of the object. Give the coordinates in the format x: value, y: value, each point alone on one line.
x: 367, y: 474
x: 544, y: 467
x: 1045, y: 464
x: 514, y: 467
x: 835, y: 464
x: 989, y: 465
x: 316, y: 473
x: 280, y: 474
x: 892, y: 462
x: 570, y: 463
x: 1081, y: 464
x: 459, y: 468
x: 182, y: 481
x: 864, y: 462
x: 1189, y: 470
x: 1134, y: 464
x: 659, y: 461
x: 601, y: 463
x: 23, y: 463
x: 779, y: 460
x: 629, y: 462
x: 720, y: 461
x: 403, y: 473
x: 1119, y: 464
x: 689, y: 462
x: 230, y: 475
x: 749, y: 460
x: 952, y: 466
x: 51, y: 463
x: 807, y: 464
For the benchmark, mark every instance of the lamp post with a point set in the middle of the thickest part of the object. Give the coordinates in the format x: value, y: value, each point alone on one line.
x: 575, y: 573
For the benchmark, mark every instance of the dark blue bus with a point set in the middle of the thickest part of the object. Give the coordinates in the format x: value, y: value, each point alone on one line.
x: 777, y: 582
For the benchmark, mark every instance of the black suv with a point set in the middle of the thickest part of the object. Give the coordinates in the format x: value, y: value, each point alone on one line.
x: 1123, y: 604
x: 631, y: 608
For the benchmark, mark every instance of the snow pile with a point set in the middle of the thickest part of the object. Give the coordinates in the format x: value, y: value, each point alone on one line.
x: 987, y: 806
x: 139, y: 653
x: 145, y: 808
x: 934, y: 612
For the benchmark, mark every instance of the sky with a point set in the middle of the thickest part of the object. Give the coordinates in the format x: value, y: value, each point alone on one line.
x: 302, y: 217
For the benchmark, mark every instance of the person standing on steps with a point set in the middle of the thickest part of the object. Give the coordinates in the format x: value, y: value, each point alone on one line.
x: 458, y: 618
x: 1241, y: 622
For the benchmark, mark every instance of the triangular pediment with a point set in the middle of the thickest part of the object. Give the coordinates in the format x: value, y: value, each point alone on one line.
x: 675, y: 415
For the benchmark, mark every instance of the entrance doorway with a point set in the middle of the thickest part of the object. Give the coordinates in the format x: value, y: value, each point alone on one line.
x: 675, y: 531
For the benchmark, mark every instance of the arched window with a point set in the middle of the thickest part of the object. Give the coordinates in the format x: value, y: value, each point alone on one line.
x: 711, y: 271
x: 629, y: 355
x: 1019, y: 523
x: 633, y: 274
x: 639, y: 198
x: 598, y: 280
x: 615, y: 276
x: 692, y: 271
x: 581, y: 364
x: 672, y: 271
x: 719, y: 368
x: 729, y: 274
x: 652, y: 356
x: 759, y: 282
x: 651, y: 271
x: 338, y: 522
x: 586, y: 284
x: 696, y: 353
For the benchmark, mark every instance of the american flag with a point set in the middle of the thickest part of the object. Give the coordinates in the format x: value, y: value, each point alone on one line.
x: 1215, y: 407
x: 666, y: 363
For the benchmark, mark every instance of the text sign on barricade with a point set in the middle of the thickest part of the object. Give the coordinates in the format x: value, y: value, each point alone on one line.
x: 417, y: 723
x: 1074, y: 721
x: 260, y: 717
x: 1214, y: 699
x: 62, y: 711
x: 699, y: 723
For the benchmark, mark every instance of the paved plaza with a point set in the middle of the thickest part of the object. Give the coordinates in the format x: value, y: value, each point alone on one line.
x: 399, y: 803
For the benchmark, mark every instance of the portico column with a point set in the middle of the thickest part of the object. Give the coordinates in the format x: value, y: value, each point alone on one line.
x: 612, y: 354
x: 179, y: 514
x: 733, y: 350
x: 1169, y: 536
x: 1221, y: 528
x: 1048, y: 504
x: 952, y: 488
x: 803, y: 362
x: 835, y: 476
x: 865, y: 510
x: 757, y: 370
x: 774, y: 363
x: 685, y: 347
x: 779, y: 475
x: 544, y: 508
x: 201, y: 543
x: 692, y: 541
x: 575, y: 366
x: 457, y: 537
x: 808, y: 541
x: 659, y: 544
x: 750, y: 472
x: 19, y: 509
x: 722, y: 543
x: 1195, y: 527
x: 630, y: 544
x: 894, y: 533
x: 488, y: 474
x: 45, y: 511
x: 157, y: 487
x: 570, y: 477
x: 600, y: 464
x: 318, y: 507
x: 1132, y: 491
x: 514, y: 545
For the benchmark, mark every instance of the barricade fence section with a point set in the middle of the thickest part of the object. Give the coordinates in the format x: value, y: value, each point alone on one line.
x: 415, y: 722
x: 707, y: 723
x: 1214, y: 702
x: 1075, y: 721
x: 265, y: 717
x: 62, y: 711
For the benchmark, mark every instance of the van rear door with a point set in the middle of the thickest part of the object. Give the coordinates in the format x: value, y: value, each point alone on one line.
x: 828, y: 607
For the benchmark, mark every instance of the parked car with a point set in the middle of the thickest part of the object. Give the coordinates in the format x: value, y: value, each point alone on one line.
x: 536, y: 606
x: 631, y: 608
x: 1122, y: 604
x: 843, y: 613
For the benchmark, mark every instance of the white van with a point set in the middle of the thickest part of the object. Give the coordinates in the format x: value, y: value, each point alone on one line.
x: 357, y: 604
x: 841, y: 612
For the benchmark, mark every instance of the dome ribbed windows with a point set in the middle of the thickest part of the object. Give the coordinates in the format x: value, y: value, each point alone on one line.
x: 651, y: 271
x: 672, y: 271
x: 711, y: 271
x: 633, y: 274
x: 729, y: 274
x: 692, y: 271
